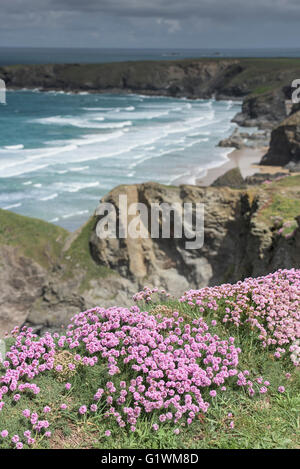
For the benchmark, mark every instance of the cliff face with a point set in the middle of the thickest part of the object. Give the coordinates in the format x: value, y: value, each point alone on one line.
x: 186, y: 78
x: 285, y: 143
x: 47, y: 274
x: 240, y: 238
x: 263, y: 110
x: 193, y: 78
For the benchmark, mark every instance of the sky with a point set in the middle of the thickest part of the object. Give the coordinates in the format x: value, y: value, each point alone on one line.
x: 150, y: 23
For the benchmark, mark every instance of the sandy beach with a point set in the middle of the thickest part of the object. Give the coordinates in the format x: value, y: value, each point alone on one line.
x: 247, y: 160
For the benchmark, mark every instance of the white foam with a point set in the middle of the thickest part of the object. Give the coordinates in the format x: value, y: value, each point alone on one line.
x: 96, y: 109
x: 14, y: 147
x: 82, y: 168
x: 75, y: 186
x: 112, y: 125
x: 75, y: 214
x: 49, y: 197
x: 9, y: 207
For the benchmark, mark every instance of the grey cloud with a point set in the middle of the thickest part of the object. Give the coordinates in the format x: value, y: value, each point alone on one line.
x: 226, y: 10
x: 148, y: 23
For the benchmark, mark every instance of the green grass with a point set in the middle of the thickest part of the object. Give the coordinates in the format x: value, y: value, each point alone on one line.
x: 283, y: 200
x: 78, y: 257
x: 262, y: 89
x: 264, y: 421
x: 45, y: 244
x: 39, y: 240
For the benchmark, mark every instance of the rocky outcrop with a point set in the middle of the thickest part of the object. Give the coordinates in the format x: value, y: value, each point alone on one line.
x: 285, y: 143
x: 263, y: 110
x: 259, y: 178
x: 241, y: 140
x: 232, y: 178
x: 238, y: 242
x: 21, y: 281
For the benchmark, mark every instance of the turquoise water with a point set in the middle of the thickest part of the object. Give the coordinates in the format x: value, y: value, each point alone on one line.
x: 61, y: 152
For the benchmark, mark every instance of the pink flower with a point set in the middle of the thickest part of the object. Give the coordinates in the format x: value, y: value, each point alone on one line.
x: 281, y: 389
x: 15, y: 439
x: 83, y: 410
x: 68, y: 386
x: 4, y: 433
x: 63, y: 406
x: 26, y: 413
x: 107, y: 433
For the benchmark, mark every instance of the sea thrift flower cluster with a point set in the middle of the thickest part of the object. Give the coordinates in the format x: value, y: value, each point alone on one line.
x: 171, y: 363
x: 270, y: 305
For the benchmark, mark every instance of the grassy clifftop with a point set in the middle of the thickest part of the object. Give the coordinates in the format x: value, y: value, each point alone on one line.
x: 33, y: 238
x: 51, y: 246
x: 190, y: 77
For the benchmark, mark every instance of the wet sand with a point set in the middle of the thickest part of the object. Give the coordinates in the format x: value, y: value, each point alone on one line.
x: 247, y: 160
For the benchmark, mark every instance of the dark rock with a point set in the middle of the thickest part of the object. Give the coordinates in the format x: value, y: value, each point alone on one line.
x: 263, y: 110
x: 241, y: 140
x: 232, y: 178
x: 235, y: 140
x: 259, y: 178
x: 293, y: 167
x: 285, y: 143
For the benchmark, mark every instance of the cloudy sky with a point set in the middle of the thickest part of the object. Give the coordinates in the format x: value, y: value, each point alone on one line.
x: 150, y: 23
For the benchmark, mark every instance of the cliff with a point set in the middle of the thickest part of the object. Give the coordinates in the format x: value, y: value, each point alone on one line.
x: 47, y: 274
x: 285, y: 143
x: 266, y: 82
x: 240, y: 237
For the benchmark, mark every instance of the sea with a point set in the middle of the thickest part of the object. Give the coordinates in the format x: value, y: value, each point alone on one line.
x: 61, y: 152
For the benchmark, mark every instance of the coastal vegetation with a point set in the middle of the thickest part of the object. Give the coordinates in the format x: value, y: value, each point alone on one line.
x: 216, y: 368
